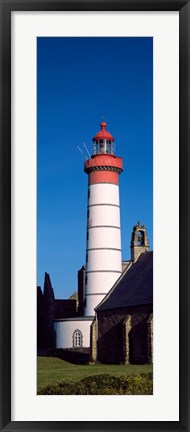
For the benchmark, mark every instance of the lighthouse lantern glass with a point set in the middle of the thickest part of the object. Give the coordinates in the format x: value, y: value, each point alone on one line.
x: 103, y: 146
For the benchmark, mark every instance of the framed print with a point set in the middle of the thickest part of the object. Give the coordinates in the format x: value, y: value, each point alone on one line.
x: 65, y: 67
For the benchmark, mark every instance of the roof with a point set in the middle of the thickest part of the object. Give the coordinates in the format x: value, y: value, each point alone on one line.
x: 103, y: 133
x: 134, y: 288
x: 83, y: 318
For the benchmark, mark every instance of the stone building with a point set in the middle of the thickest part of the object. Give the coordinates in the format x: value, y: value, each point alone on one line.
x: 123, y: 329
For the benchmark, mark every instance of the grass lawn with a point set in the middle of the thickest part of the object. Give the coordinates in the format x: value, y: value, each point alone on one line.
x: 51, y: 370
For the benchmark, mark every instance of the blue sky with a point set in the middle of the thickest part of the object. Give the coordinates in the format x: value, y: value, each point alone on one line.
x: 80, y: 82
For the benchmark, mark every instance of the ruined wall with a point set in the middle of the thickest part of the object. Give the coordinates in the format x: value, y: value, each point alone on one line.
x: 39, y: 317
x: 81, y: 290
x: 64, y: 308
x: 48, y: 310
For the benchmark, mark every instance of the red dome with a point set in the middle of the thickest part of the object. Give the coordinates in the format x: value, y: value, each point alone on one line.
x: 103, y: 133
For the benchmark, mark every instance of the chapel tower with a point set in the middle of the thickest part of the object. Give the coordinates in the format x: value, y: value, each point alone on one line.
x: 139, y: 241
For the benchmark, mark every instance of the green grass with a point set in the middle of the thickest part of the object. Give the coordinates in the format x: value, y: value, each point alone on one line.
x: 51, y: 370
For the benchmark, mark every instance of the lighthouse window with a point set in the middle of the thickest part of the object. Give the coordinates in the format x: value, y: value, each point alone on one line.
x: 102, y: 146
x: 86, y: 257
x: 88, y: 193
x: 86, y: 279
x: 77, y: 339
x: 87, y: 235
x: 108, y: 150
x: 88, y: 213
x: 109, y: 147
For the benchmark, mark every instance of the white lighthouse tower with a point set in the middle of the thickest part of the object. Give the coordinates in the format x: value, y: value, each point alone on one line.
x: 103, y: 240
x: 103, y: 243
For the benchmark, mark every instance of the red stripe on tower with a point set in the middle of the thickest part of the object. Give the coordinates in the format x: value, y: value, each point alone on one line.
x: 103, y: 177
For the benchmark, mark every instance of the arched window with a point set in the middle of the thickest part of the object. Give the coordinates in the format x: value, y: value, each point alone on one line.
x: 140, y: 235
x: 77, y: 339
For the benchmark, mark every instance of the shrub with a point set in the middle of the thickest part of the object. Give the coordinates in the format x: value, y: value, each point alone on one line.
x: 104, y: 385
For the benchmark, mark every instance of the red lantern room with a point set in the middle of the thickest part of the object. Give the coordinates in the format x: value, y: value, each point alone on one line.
x: 104, y: 166
x: 103, y: 141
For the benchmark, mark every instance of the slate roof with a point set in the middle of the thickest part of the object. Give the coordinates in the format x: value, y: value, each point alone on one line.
x: 134, y: 288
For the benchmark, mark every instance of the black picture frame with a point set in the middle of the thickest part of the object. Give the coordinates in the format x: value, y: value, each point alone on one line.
x: 6, y: 7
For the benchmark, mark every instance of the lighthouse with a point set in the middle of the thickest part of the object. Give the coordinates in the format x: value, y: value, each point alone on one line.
x: 103, y: 238
x: 103, y: 267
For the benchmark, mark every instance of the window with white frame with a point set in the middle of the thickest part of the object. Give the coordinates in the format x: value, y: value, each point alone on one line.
x: 77, y: 339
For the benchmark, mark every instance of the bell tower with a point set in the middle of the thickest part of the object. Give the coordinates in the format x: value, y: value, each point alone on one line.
x: 139, y: 241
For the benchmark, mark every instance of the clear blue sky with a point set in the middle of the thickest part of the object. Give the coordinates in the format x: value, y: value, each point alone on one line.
x: 81, y: 81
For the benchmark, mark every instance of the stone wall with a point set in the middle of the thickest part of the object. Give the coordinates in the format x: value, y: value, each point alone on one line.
x: 93, y: 341
x: 126, y: 332
x: 123, y: 335
x: 150, y: 338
